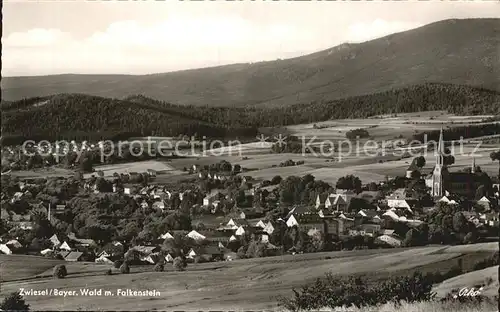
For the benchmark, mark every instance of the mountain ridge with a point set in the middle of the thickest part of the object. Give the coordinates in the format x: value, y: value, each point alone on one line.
x: 460, y: 52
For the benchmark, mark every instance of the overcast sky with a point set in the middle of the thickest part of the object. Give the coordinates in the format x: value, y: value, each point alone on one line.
x: 41, y: 38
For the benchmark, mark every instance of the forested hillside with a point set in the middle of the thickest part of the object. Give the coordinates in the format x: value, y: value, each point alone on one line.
x: 81, y: 116
x: 84, y: 117
x: 459, y: 51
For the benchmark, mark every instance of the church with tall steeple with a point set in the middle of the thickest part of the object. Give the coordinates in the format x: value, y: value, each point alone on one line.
x: 441, y: 181
x: 437, y: 173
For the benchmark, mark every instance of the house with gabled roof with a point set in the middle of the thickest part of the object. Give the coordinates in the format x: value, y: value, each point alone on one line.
x: 151, y: 258
x: 55, y: 240
x: 74, y: 256
x: 321, y: 200
x: 234, y: 223
x: 167, y: 235
x: 209, y: 252
x: 65, y: 246
x: 370, y: 215
x: 46, y: 251
x: 5, y: 249
x: 291, y: 221
x: 485, y: 203
x: 269, y: 228
x: 10, y: 247
x: 195, y: 235
x: 239, y: 231
x: 389, y: 239
x: 260, y: 224
x: 83, y: 242
x: 365, y: 230
x: 111, y: 250
x: 337, y: 202
x: 103, y: 259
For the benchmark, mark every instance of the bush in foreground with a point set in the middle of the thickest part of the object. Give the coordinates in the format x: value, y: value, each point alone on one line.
x: 159, y: 267
x: 117, y: 264
x: 333, y: 292
x: 179, y: 264
x: 14, y: 302
x: 59, y: 271
x: 124, y: 268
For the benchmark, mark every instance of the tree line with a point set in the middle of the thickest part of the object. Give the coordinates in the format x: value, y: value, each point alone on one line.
x: 78, y: 116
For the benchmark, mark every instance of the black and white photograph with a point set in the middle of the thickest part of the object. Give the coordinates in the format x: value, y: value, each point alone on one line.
x: 250, y: 156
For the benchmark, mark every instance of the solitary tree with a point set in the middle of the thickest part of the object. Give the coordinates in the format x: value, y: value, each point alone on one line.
x: 419, y: 161
x: 124, y: 268
x: 159, y: 267
x: 60, y: 271
x: 496, y: 156
x: 179, y: 264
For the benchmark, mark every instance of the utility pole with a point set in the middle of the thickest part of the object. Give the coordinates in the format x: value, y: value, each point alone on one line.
x: 48, y: 214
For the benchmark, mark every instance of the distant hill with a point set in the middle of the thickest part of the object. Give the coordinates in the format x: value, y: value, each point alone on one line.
x: 463, y: 52
x: 84, y: 117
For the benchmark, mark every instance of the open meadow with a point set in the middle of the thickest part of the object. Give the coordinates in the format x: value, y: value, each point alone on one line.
x: 241, y: 284
x: 161, y: 167
x: 384, y: 127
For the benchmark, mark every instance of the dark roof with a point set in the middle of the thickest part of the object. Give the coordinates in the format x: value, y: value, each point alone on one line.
x: 64, y: 253
x: 73, y: 255
x: 208, y: 250
x: 369, y: 213
x: 237, y: 221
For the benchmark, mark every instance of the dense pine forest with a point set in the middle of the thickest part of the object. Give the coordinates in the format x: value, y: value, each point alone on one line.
x: 79, y: 116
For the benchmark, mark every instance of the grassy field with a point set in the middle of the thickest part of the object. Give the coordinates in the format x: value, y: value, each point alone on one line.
x: 20, y: 266
x: 139, y: 167
x: 241, y: 284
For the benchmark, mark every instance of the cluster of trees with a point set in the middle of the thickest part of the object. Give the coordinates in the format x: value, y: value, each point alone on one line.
x: 292, y: 145
x: 290, y: 163
x: 78, y: 116
x: 357, y: 134
x: 448, y: 225
x: 349, y: 182
x: 301, y: 190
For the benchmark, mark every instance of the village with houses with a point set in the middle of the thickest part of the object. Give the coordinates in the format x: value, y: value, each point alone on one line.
x: 223, y: 214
